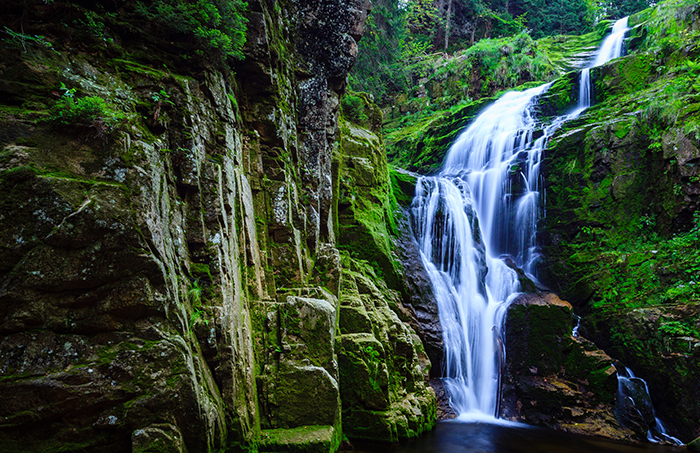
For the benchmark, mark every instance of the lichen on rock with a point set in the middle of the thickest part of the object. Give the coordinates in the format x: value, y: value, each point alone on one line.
x: 173, y: 281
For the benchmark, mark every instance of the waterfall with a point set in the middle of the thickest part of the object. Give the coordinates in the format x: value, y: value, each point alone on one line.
x: 612, y: 47
x: 633, y: 394
x: 482, y: 208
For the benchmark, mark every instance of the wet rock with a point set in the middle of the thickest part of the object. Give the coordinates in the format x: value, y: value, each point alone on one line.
x: 422, y: 303
x: 158, y: 437
x: 634, y: 406
x: 383, y: 367
x: 313, y: 439
x: 444, y: 410
x: 553, y: 379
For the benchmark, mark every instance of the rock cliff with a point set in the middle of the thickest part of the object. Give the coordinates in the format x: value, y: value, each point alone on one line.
x: 202, y: 261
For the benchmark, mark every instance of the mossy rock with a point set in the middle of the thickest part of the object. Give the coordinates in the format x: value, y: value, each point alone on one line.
x: 304, y: 439
x: 562, y: 97
x: 536, y: 328
x: 403, y: 186
x: 422, y: 146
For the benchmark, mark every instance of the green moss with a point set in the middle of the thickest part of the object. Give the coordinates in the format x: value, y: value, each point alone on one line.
x: 16, y: 175
x: 403, y: 187
x: 540, y: 327
x: 621, y: 238
x: 304, y: 439
x: 419, y: 143
x: 561, y: 97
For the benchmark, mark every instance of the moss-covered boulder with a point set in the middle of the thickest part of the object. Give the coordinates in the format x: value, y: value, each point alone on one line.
x: 382, y: 361
x: 383, y: 366
x: 422, y: 145
x: 552, y: 378
x: 306, y: 439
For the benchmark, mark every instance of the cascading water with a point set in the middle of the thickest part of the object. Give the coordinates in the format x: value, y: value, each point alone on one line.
x: 612, y: 47
x: 464, y: 219
x: 633, y: 394
x: 482, y: 207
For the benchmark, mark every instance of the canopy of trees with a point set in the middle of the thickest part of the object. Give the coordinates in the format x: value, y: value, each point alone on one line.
x: 400, y: 30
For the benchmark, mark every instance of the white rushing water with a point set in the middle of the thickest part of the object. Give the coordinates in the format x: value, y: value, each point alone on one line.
x: 612, y: 47
x: 482, y: 208
x: 626, y: 380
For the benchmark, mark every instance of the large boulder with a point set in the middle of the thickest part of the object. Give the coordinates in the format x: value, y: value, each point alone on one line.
x: 552, y: 378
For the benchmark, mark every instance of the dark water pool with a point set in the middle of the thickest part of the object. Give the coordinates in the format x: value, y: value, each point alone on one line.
x: 456, y: 437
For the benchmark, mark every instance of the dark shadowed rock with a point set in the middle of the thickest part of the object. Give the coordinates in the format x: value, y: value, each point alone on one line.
x: 553, y: 379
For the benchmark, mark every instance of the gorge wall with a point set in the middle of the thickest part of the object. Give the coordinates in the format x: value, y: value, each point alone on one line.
x: 205, y: 263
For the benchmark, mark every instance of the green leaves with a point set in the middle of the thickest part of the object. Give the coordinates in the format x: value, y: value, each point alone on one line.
x: 22, y: 40
x: 218, y: 25
x: 90, y: 112
x: 353, y: 109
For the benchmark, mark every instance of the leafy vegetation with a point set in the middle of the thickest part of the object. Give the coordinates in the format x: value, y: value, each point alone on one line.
x: 360, y: 109
x: 622, y: 225
x: 218, y: 25
x: 353, y: 108
x: 21, y: 40
x: 90, y: 112
x: 480, y: 43
x: 378, y: 69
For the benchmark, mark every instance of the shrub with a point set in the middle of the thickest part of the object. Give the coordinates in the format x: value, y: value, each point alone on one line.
x: 354, y: 109
x: 91, y: 112
x: 217, y: 25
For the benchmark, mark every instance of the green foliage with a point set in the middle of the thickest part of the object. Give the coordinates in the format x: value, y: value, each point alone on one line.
x: 21, y: 40
x: 162, y: 96
x: 91, y: 112
x: 195, y: 293
x: 401, y: 36
x: 670, y: 26
x: 378, y: 70
x: 218, y: 25
x: 353, y: 109
x: 195, y: 296
x: 422, y: 125
x: 372, y: 354
x: 620, y: 8
x: 358, y: 108
x: 423, y: 17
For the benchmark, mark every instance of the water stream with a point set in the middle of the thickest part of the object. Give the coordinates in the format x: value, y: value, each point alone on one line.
x: 451, y: 437
x: 482, y: 208
x: 613, y: 47
x: 633, y: 391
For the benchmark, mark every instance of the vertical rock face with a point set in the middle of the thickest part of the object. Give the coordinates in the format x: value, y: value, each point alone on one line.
x: 177, y: 284
x: 383, y: 364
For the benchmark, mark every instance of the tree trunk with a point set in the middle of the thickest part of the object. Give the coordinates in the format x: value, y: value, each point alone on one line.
x: 438, y: 38
x: 473, y: 31
x: 447, y: 23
